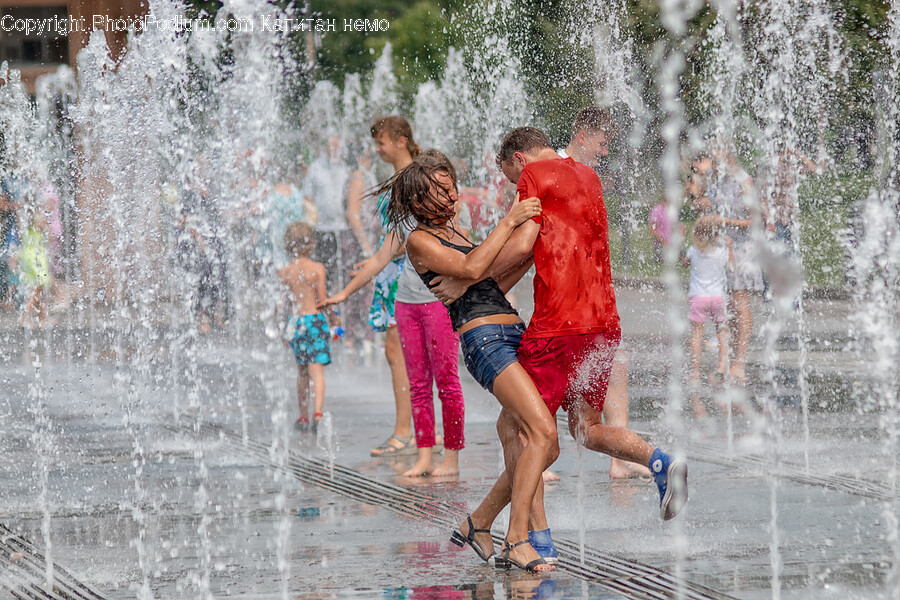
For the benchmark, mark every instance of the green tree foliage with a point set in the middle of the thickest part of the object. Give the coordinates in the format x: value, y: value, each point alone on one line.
x: 863, y: 29
x: 419, y: 33
x: 557, y: 69
x: 198, y: 9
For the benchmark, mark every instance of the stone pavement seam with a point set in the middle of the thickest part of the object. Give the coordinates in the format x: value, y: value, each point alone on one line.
x: 23, y: 572
x: 857, y: 486
x: 630, y: 578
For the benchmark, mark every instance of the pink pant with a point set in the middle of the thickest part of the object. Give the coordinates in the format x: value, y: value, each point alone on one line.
x: 707, y: 306
x: 431, y: 351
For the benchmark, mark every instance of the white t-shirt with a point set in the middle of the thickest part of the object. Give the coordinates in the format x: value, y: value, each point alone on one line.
x: 707, y: 271
x: 326, y: 185
x: 410, y: 287
x: 727, y: 196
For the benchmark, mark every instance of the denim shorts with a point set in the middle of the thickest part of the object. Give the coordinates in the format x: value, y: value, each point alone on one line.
x: 488, y: 349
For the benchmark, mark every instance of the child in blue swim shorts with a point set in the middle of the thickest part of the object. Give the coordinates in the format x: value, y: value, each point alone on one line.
x: 310, y: 339
x: 306, y: 331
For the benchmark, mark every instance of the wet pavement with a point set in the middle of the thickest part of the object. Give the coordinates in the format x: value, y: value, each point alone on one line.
x: 149, y: 462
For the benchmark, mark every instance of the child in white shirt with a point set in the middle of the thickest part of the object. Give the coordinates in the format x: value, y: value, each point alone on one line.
x: 708, y: 259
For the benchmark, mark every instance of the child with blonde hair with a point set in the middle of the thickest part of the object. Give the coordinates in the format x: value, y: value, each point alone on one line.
x: 709, y: 257
x: 307, y: 331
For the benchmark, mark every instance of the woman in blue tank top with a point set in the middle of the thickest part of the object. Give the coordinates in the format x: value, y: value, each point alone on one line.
x: 490, y: 331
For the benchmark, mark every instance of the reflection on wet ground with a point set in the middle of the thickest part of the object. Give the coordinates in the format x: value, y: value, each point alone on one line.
x: 509, y: 587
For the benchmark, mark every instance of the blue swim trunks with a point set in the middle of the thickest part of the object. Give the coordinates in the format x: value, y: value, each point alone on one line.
x: 310, y: 341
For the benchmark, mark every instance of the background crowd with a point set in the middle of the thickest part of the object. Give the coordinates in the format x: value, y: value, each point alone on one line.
x: 222, y: 233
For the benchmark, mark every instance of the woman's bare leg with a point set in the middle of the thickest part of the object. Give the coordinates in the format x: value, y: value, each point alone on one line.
x: 524, y: 415
x: 449, y: 466
x: 424, y: 465
x: 696, y: 350
x: 394, y: 354
x: 741, y: 302
x: 723, y: 349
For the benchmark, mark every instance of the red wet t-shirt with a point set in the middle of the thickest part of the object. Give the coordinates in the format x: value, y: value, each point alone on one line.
x: 573, y: 291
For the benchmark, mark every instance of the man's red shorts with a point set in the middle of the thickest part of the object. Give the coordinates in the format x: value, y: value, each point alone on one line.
x: 567, y: 368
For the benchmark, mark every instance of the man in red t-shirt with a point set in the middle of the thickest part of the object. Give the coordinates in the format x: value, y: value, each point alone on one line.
x: 593, y: 128
x: 569, y: 345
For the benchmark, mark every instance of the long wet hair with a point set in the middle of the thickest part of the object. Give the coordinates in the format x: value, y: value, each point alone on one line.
x: 411, y: 189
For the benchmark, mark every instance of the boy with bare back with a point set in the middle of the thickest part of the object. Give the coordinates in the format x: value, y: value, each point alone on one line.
x: 307, y: 330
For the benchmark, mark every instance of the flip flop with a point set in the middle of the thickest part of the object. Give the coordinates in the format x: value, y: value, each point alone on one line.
x: 505, y: 562
x: 388, y: 449
x: 461, y: 540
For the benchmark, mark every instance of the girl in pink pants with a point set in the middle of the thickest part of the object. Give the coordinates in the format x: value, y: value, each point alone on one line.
x: 431, y: 351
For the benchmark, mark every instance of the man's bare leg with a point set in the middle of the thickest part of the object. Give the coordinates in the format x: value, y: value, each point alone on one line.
x: 586, y: 425
x: 615, y: 413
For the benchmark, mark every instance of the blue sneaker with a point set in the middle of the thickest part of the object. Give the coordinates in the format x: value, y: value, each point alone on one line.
x: 543, y: 545
x: 671, y: 479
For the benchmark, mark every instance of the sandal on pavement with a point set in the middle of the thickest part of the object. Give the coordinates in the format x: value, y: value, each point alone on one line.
x: 388, y: 449
x: 505, y: 562
x: 461, y: 540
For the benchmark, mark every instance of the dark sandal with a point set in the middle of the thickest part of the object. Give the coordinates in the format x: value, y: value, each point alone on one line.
x: 505, y: 562
x: 388, y: 449
x: 461, y: 540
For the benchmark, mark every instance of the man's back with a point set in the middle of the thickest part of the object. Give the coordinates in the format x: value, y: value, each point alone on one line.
x: 573, y: 291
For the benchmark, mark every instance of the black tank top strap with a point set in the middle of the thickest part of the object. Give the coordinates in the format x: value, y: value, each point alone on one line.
x: 449, y: 244
x: 481, y: 299
x: 453, y: 229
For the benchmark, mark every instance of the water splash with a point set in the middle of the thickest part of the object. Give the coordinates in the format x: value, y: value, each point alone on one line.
x: 327, y: 440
